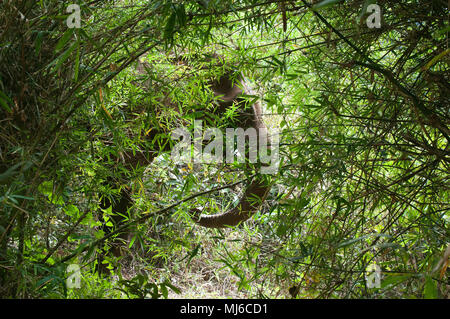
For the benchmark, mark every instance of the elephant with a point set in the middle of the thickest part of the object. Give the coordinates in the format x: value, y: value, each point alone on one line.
x: 229, y: 90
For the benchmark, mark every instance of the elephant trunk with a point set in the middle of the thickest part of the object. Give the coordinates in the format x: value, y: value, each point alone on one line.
x: 255, y: 192
x: 250, y: 202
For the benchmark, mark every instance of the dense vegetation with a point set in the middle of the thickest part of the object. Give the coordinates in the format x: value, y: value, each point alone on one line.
x: 362, y: 116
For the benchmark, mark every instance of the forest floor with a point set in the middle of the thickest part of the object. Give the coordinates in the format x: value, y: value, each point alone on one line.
x: 206, y: 275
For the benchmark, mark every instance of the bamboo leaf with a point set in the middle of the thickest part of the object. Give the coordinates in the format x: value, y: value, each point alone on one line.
x: 325, y: 3
x: 64, y: 39
x: 63, y: 57
x: 430, y: 288
x: 169, y: 29
x: 434, y: 60
x: 5, y: 105
x: 77, y: 65
x: 352, y: 241
x: 38, y: 42
x: 394, y: 279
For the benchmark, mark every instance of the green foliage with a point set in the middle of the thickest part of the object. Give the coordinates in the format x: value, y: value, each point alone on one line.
x: 364, y: 150
x: 141, y: 287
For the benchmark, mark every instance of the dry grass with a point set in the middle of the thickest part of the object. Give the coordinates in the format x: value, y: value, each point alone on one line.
x: 205, y: 276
